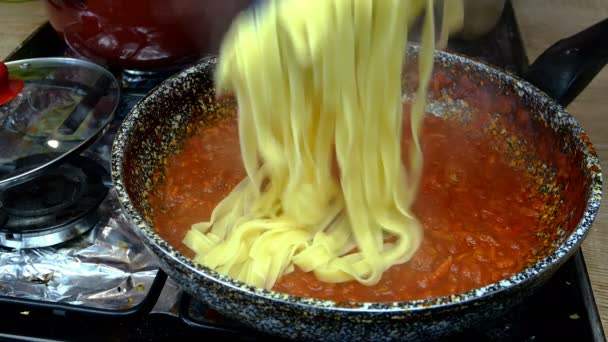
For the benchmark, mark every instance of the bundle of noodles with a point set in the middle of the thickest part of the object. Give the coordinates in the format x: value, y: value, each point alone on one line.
x: 318, y: 83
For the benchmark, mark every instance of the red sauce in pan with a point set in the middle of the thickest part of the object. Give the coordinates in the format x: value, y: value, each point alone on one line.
x: 479, y: 212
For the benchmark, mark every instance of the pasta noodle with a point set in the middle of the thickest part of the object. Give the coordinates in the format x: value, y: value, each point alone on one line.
x: 318, y: 83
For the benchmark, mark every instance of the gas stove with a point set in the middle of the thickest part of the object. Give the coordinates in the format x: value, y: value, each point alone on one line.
x: 103, y: 284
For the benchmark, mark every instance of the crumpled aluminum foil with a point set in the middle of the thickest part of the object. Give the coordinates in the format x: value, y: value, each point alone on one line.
x: 108, y: 267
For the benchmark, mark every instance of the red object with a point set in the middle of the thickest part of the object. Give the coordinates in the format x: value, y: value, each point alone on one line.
x: 9, y: 87
x: 143, y: 34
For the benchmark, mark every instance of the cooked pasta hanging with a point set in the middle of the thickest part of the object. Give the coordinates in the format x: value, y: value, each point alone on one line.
x: 318, y: 85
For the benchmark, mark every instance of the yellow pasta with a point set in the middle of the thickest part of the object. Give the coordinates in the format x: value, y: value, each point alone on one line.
x: 319, y: 81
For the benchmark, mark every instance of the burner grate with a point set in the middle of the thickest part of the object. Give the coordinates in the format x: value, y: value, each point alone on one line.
x: 55, y: 207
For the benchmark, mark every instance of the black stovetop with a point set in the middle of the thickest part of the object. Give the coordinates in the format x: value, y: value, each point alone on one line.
x: 563, y: 309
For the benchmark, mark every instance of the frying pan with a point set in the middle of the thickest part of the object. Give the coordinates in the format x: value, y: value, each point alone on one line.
x: 156, y: 126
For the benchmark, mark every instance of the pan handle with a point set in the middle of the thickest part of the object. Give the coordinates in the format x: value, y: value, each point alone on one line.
x: 567, y: 67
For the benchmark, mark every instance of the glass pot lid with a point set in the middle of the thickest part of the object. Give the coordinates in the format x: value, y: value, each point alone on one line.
x: 64, y: 106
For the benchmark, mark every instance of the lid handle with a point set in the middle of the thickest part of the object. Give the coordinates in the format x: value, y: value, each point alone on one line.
x: 9, y: 87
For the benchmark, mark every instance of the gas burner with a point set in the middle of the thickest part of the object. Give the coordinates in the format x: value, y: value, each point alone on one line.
x: 141, y: 82
x: 55, y: 207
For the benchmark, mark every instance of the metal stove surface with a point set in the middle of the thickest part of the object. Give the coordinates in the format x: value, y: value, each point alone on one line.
x: 130, y: 300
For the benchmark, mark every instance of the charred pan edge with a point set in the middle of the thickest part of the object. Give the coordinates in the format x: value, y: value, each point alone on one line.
x: 550, y: 111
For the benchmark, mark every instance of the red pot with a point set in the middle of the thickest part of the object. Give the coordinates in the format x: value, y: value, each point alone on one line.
x: 143, y: 34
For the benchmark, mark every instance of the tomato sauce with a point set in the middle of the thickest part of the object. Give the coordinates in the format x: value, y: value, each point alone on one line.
x: 484, y: 218
x: 197, y: 178
x: 476, y: 222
